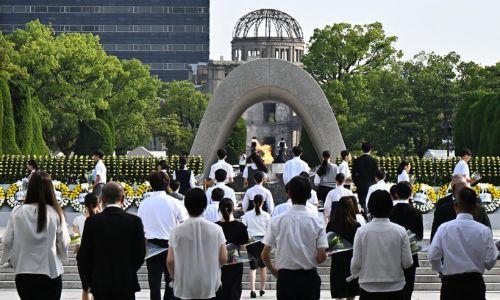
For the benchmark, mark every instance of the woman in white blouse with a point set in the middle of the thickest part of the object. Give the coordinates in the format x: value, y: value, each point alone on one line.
x: 403, y: 170
x: 256, y: 221
x: 36, y: 241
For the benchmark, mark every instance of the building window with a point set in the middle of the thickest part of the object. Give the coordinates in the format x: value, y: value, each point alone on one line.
x: 269, y: 112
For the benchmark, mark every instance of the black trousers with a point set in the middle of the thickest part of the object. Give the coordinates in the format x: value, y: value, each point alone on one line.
x: 157, y: 267
x: 114, y: 296
x: 322, y: 191
x: 410, y: 281
x: 231, y: 277
x: 37, y: 286
x: 397, y: 295
x: 463, y: 286
x: 362, y: 199
x: 298, y: 285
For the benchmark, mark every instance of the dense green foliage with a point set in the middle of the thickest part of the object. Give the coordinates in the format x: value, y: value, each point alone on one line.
x: 23, y: 117
x: 39, y: 145
x: 237, y: 142
x: 94, y: 135
x: 9, y: 145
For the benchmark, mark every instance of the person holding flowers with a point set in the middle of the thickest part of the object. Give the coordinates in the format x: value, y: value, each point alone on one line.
x: 462, y: 168
x: 99, y: 173
x: 403, y: 171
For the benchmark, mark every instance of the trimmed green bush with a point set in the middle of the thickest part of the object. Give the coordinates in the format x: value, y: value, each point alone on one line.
x: 39, y: 145
x: 9, y: 145
x: 23, y: 116
x: 94, y: 135
x: 236, y: 143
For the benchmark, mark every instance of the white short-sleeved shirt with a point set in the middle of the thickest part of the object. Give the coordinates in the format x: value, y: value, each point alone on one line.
x: 79, y: 222
x: 462, y: 168
x: 296, y: 235
x: 100, y: 170
x: 380, y: 185
x: 212, y: 213
x: 228, y: 192
x: 284, y: 207
x: 256, y: 224
x: 334, y: 196
x: 221, y: 164
x: 254, y: 167
x: 403, y: 176
x: 196, y: 244
x: 258, y: 189
x: 294, y: 167
x: 344, y: 169
x: 314, y: 198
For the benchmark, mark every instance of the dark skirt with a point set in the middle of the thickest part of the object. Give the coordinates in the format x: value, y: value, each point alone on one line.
x: 340, y: 270
x: 322, y: 191
x: 231, y: 277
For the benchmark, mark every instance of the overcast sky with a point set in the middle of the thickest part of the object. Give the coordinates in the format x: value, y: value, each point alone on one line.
x: 469, y: 27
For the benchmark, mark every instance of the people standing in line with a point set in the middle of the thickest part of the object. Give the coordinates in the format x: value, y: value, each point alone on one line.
x: 381, y: 252
x: 256, y: 221
x: 257, y: 165
x: 184, y: 176
x: 220, y: 179
x: 242, y: 162
x: 344, y: 167
x: 299, y: 240
x: 159, y: 214
x: 258, y: 189
x: 445, y: 210
x: 462, y: 250
x: 379, y: 185
x: 295, y: 166
x: 36, y: 241
x: 364, y: 169
x: 211, y: 212
x: 112, y: 249
x: 162, y: 166
x: 221, y: 164
x: 462, y: 168
x: 345, y: 225
x: 235, y: 233
x: 404, y: 171
x: 196, y: 253
x: 99, y: 173
x: 333, y: 197
x: 325, y: 177
x: 175, y: 186
x: 404, y: 214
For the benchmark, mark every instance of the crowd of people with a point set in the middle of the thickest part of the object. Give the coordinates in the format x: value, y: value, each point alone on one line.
x: 188, y: 236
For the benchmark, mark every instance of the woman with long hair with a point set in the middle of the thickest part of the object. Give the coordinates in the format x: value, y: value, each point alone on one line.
x: 344, y: 224
x: 325, y: 176
x: 36, y: 241
x: 256, y: 221
x: 236, y: 233
x: 403, y: 171
x: 257, y: 164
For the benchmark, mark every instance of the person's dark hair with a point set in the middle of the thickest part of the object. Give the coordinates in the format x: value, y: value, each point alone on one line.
x: 175, y: 185
x: 41, y: 191
x: 464, y: 152
x: 221, y: 153
x: 344, y: 154
x: 304, y: 174
x: 158, y: 181
x: 366, y: 147
x: 299, y: 189
x: 182, y: 162
x: 403, y: 190
x: 226, y: 208
x: 380, y: 204
x: 259, y: 163
x: 99, y: 153
x: 195, y: 202
x: 112, y: 192
x: 393, y: 192
x: 345, y: 212
x: 324, y: 164
x: 467, y: 200
x: 33, y: 164
x: 220, y: 175
x: 163, y: 164
x: 402, y: 166
x: 258, y: 177
x: 90, y: 203
x: 257, y: 201
x: 380, y: 174
x: 217, y: 194
x: 355, y: 202
x: 340, y: 178
x: 297, y: 150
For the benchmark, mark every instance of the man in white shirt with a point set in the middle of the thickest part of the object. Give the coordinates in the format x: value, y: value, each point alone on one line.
x: 99, y: 173
x: 212, y: 213
x: 379, y: 185
x: 462, y: 250
x: 258, y: 189
x: 381, y: 252
x: 221, y: 164
x: 159, y: 214
x: 220, y: 178
x: 462, y: 168
x: 196, y: 253
x: 344, y: 165
x: 299, y: 239
x: 295, y: 166
x: 333, y: 197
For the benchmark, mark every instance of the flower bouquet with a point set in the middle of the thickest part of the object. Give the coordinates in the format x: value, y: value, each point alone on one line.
x: 489, y: 196
x: 75, y: 239
x: 152, y: 250
x: 424, y: 197
x: 337, y: 243
x: 415, y: 246
x: 234, y: 255
x: 476, y: 176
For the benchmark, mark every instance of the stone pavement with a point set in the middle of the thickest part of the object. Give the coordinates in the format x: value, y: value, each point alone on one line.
x: 75, y: 295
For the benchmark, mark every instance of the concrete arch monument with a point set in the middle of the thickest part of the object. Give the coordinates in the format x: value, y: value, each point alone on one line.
x: 263, y: 80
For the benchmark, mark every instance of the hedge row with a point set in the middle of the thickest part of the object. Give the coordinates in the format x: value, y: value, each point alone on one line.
x: 72, y: 170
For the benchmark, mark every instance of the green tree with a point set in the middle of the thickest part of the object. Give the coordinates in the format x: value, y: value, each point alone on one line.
x: 236, y: 143
x: 94, y: 135
x: 39, y: 145
x: 9, y: 60
x: 23, y: 117
x: 9, y: 145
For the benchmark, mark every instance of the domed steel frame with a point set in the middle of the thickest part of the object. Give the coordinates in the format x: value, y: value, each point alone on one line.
x: 284, y: 25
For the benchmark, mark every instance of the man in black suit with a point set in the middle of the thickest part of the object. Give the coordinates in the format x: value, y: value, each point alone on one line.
x: 112, y: 249
x: 363, y: 173
x: 445, y: 211
x: 411, y: 219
